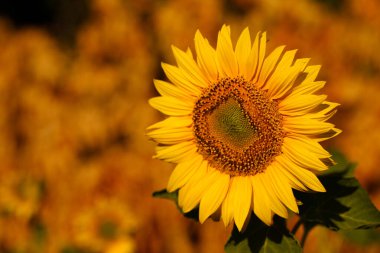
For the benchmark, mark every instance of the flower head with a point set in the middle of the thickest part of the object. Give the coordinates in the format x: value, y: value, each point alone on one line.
x: 243, y: 128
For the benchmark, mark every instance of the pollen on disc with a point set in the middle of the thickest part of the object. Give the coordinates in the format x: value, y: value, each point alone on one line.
x: 237, y: 128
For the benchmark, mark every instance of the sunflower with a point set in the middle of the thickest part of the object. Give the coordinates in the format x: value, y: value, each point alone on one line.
x: 243, y: 128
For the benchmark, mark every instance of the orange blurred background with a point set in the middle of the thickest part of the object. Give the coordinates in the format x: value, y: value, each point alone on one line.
x: 76, y: 173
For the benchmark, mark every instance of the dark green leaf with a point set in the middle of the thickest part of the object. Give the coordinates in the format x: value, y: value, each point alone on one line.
x: 193, y: 214
x: 164, y: 194
x: 259, y: 238
x: 345, y: 205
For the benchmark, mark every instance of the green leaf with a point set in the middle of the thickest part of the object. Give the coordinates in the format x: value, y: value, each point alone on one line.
x: 164, y: 194
x: 259, y: 238
x: 344, y: 206
x: 362, y: 236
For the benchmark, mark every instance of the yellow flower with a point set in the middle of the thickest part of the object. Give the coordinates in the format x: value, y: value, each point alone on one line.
x: 243, y: 128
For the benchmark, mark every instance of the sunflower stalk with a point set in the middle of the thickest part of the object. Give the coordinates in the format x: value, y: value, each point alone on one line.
x: 306, y: 231
x: 296, y: 227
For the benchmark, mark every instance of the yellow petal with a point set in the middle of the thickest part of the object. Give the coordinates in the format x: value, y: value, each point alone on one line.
x: 177, y: 77
x: 176, y: 153
x: 214, y: 196
x: 269, y: 64
x: 242, y: 200
x: 198, y: 189
x: 303, y: 154
x: 305, y: 143
x: 326, y: 109
x: 206, y: 57
x: 308, y: 88
x: 305, y: 125
x: 261, y: 56
x: 183, y: 172
x: 328, y: 135
x: 253, y: 57
x: 173, y: 122
x: 274, y: 202
x: 172, y: 106
x: 226, y: 59
x: 171, y: 135
x: 294, y: 182
x: 282, y: 186
x: 309, y: 85
x: 243, y: 51
x: 308, y: 178
x: 286, y: 79
x: 186, y: 190
x: 227, y: 212
x: 281, y: 71
x: 170, y: 90
x: 300, y: 105
x: 190, y: 68
x: 312, y: 72
x: 321, y: 116
x: 189, y: 53
x: 261, y: 201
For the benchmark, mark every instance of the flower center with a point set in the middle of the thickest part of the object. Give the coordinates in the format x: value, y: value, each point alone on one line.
x: 237, y: 128
x: 228, y: 123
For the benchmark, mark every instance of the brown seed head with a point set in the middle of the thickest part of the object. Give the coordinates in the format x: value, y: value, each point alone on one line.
x: 237, y: 128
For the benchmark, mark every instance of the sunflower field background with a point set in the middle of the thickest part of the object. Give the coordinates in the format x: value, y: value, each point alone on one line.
x: 76, y: 173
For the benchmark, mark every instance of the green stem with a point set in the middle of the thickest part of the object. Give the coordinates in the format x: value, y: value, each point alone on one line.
x: 305, y: 234
x: 296, y: 227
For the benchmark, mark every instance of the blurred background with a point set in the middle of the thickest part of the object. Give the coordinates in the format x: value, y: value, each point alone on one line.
x: 76, y: 173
